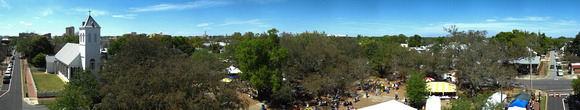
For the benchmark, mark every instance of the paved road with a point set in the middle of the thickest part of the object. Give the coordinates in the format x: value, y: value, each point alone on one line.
x: 12, y: 100
x: 551, y: 84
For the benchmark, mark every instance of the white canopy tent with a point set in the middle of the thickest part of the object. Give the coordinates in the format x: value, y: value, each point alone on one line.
x: 233, y: 70
x: 389, y: 105
x: 433, y: 103
x: 494, y: 99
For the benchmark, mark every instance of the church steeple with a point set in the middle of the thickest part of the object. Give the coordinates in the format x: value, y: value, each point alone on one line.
x: 90, y: 22
x: 89, y: 42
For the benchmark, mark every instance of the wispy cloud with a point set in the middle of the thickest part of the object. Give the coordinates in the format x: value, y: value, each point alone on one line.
x: 9, y: 24
x: 4, y: 4
x: 126, y: 16
x: 265, y: 1
x: 36, y: 17
x: 564, y: 22
x: 490, y: 20
x: 527, y: 19
x: 85, y: 11
x: 46, y: 12
x: 188, y: 5
x: 202, y: 24
x: 25, y: 23
x: 256, y: 22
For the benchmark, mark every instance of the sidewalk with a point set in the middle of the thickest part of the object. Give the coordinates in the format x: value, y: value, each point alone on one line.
x: 31, y: 99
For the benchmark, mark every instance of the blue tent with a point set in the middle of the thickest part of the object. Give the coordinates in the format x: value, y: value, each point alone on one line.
x: 518, y: 103
x: 230, y: 77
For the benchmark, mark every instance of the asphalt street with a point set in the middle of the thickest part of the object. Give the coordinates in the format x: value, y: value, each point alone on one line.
x: 12, y: 100
x: 552, y: 84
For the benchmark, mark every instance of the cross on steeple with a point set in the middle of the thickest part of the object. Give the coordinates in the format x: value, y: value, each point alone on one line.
x: 89, y: 12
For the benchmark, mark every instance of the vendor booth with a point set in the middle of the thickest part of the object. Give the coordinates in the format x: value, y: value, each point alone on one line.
x: 433, y: 103
x: 443, y: 90
x: 390, y: 105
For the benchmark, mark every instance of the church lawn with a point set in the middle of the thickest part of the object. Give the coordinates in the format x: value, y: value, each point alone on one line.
x: 47, y: 82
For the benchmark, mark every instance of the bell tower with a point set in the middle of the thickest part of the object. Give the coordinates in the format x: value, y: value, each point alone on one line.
x: 90, y: 44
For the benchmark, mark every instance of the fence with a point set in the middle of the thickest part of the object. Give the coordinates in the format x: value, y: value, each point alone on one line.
x: 48, y: 94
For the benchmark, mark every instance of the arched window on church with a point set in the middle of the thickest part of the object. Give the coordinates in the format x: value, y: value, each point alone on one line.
x: 92, y: 65
x: 82, y: 37
x: 96, y: 37
x: 89, y: 37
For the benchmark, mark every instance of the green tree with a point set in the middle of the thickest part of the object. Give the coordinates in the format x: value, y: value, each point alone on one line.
x: 80, y: 93
x: 144, y: 74
x: 260, y: 60
x: 39, y: 60
x: 35, y: 45
x: 576, y: 86
x: 575, y: 46
x: 415, y: 41
x: 416, y: 87
x: 116, y: 45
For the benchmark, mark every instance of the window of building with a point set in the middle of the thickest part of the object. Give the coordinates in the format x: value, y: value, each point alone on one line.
x: 92, y: 66
x: 89, y: 37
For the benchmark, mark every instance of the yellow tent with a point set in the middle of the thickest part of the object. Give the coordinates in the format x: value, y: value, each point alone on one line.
x: 227, y: 80
x: 441, y: 87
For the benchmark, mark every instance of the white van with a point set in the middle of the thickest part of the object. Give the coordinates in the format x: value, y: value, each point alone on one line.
x: 560, y: 72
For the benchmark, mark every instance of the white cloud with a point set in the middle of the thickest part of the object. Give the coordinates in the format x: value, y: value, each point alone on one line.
x: 266, y: 1
x: 36, y: 17
x: 256, y: 22
x: 564, y: 22
x: 21, y: 22
x: 202, y: 24
x: 490, y: 20
x: 4, y: 4
x: 527, y: 19
x: 28, y: 24
x: 85, y: 11
x: 126, y: 16
x: 9, y: 24
x: 188, y: 5
x: 46, y: 12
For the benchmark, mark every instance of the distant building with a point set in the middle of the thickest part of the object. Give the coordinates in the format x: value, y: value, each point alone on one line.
x: 132, y: 33
x: 48, y: 35
x: 70, y: 31
x: 26, y: 35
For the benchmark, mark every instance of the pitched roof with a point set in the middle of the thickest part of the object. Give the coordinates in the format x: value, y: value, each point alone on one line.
x: 90, y: 22
x: 68, y: 53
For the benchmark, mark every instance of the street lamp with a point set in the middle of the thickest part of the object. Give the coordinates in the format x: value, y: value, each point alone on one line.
x: 531, y: 84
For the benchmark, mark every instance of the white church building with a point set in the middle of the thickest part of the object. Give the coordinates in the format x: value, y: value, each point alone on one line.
x: 86, y: 55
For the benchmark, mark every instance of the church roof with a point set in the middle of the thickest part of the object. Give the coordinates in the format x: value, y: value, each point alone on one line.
x: 68, y: 53
x: 90, y: 22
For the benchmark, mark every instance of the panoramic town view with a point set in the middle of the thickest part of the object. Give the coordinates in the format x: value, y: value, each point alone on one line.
x: 290, y: 54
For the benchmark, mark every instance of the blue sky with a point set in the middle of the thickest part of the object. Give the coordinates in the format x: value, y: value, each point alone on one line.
x: 342, y: 17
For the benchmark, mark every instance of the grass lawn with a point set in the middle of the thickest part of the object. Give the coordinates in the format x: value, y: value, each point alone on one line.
x: 24, y: 85
x: 543, y: 103
x: 47, y: 82
x: 46, y: 102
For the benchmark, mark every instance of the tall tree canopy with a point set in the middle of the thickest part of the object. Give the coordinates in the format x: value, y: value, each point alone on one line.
x: 145, y: 74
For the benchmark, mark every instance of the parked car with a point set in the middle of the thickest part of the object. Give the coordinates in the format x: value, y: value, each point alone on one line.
x: 6, y: 81
x: 7, y: 76
x: 560, y: 72
x: 10, y: 65
x: 551, y: 66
